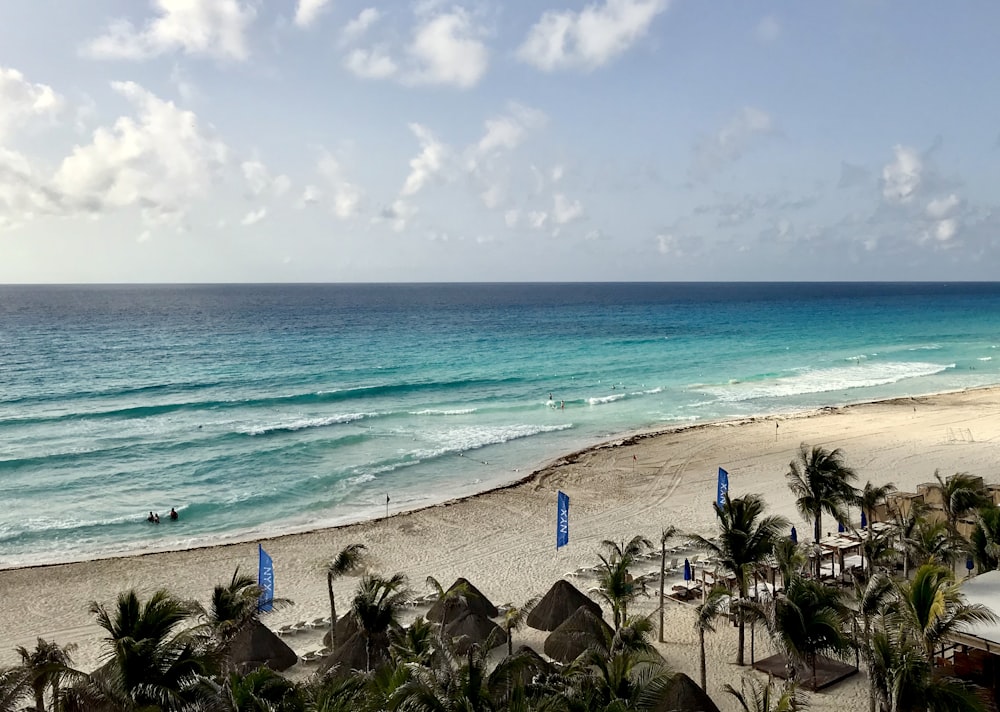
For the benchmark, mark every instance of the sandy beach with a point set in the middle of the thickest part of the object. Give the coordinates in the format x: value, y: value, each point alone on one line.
x: 504, y: 541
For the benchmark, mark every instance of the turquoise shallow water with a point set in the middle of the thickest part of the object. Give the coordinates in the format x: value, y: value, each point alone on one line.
x: 260, y: 409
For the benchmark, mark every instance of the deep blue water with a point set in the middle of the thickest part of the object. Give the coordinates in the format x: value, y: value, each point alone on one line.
x: 265, y: 408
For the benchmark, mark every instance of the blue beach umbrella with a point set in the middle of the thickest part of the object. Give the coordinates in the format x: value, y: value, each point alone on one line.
x: 968, y: 563
x: 687, y: 570
x: 840, y: 527
x: 795, y: 536
x: 864, y: 520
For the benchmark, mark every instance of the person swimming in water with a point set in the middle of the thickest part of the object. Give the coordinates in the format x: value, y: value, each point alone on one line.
x: 173, y: 514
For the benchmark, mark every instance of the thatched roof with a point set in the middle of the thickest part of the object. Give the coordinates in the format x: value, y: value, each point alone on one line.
x: 684, y: 695
x: 256, y: 645
x: 558, y: 605
x: 473, y: 628
x: 577, y: 633
x: 351, y: 655
x: 533, y: 664
x: 347, y: 625
x: 474, y: 601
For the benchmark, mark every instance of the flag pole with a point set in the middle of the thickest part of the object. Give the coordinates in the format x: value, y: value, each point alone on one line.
x: 386, y: 505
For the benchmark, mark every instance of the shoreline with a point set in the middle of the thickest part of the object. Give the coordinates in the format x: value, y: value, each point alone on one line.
x: 503, y: 540
x: 625, y: 439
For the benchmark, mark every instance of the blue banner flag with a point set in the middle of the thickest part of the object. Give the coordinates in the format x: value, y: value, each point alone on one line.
x: 723, y: 487
x: 562, y: 520
x: 265, y: 579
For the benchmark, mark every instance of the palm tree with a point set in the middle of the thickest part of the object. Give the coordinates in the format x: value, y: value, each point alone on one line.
x: 871, y: 601
x: 984, y: 544
x: 789, y: 558
x: 746, y: 538
x: 931, y: 543
x: 904, y: 680
x: 376, y: 607
x: 821, y: 482
x: 806, y: 621
x: 514, y: 617
x: 15, y: 684
x: 757, y: 696
x: 343, y: 563
x: 260, y: 690
x: 45, y: 667
x: 151, y: 659
x: 457, y: 593
x: 666, y: 534
x: 616, y: 587
x: 624, y: 674
x: 870, y: 497
x: 932, y: 606
x: 705, y: 615
x: 961, y: 494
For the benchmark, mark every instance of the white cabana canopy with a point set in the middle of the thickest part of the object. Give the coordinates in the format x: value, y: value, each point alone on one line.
x: 984, y: 589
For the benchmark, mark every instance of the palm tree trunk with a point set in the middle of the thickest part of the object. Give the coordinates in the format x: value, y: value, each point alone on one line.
x: 40, y: 700
x: 739, y: 651
x: 663, y: 570
x: 817, y: 535
x: 333, y: 611
x: 701, y: 641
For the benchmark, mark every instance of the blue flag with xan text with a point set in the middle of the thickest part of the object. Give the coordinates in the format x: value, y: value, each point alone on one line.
x: 562, y: 520
x: 723, y: 487
x: 265, y: 579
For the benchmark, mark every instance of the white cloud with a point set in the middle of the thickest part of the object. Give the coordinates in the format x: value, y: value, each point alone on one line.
x: 22, y: 102
x: 512, y: 217
x: 259, y: 180
x: 946, y: 229
x: 446, y: 49
x: 767, y: 30
x: 398, y: 214
x: 310, y: 196
x: 940, y: 207
x: 357, y: 27
x: 212, y: 27
x: 493, y: 196
x: 901, y: 177
x: 557, y: 173
x: 565, y: 210
x: 160, y: 160
x: 345, y: 195
x: 254, y: 217
x: 308, y: 10
x: 590, y: 38
x: 732, y: 140
x: 426, y: 164
x: 667, y: 244
x: 537, y: 219
x: 372, y: 63
x: 506, y: 132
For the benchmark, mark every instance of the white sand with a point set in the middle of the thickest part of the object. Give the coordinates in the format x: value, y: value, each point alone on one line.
x: 504, y: 541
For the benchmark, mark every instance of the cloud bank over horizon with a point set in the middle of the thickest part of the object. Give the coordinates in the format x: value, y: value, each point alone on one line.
x: 322, y: 140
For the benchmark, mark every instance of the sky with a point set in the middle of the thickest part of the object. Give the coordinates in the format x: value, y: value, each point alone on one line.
x: 535, y: 140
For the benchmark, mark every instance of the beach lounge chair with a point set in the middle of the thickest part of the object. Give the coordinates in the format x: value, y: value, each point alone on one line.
x: 285, y: 630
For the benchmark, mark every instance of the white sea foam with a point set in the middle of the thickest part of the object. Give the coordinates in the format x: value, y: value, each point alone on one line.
x: 474, y: 437
x: 605, y: 399
x: 926, y: 347
x: 305, y: 423
x: 985, y: 358
x: 432, y: 411
x: 361, y: 479
x: 838, y: 378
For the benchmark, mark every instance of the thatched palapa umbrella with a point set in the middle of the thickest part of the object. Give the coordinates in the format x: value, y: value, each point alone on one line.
x: 558, y: 605
x: 580, y: 631
x: 684, y: 695
x: 451, y: 607
x: 257, y: 645
x: 473, y: 628
x: 351, y: 655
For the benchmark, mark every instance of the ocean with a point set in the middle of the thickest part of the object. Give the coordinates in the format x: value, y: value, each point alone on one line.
x: 261, y: 409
